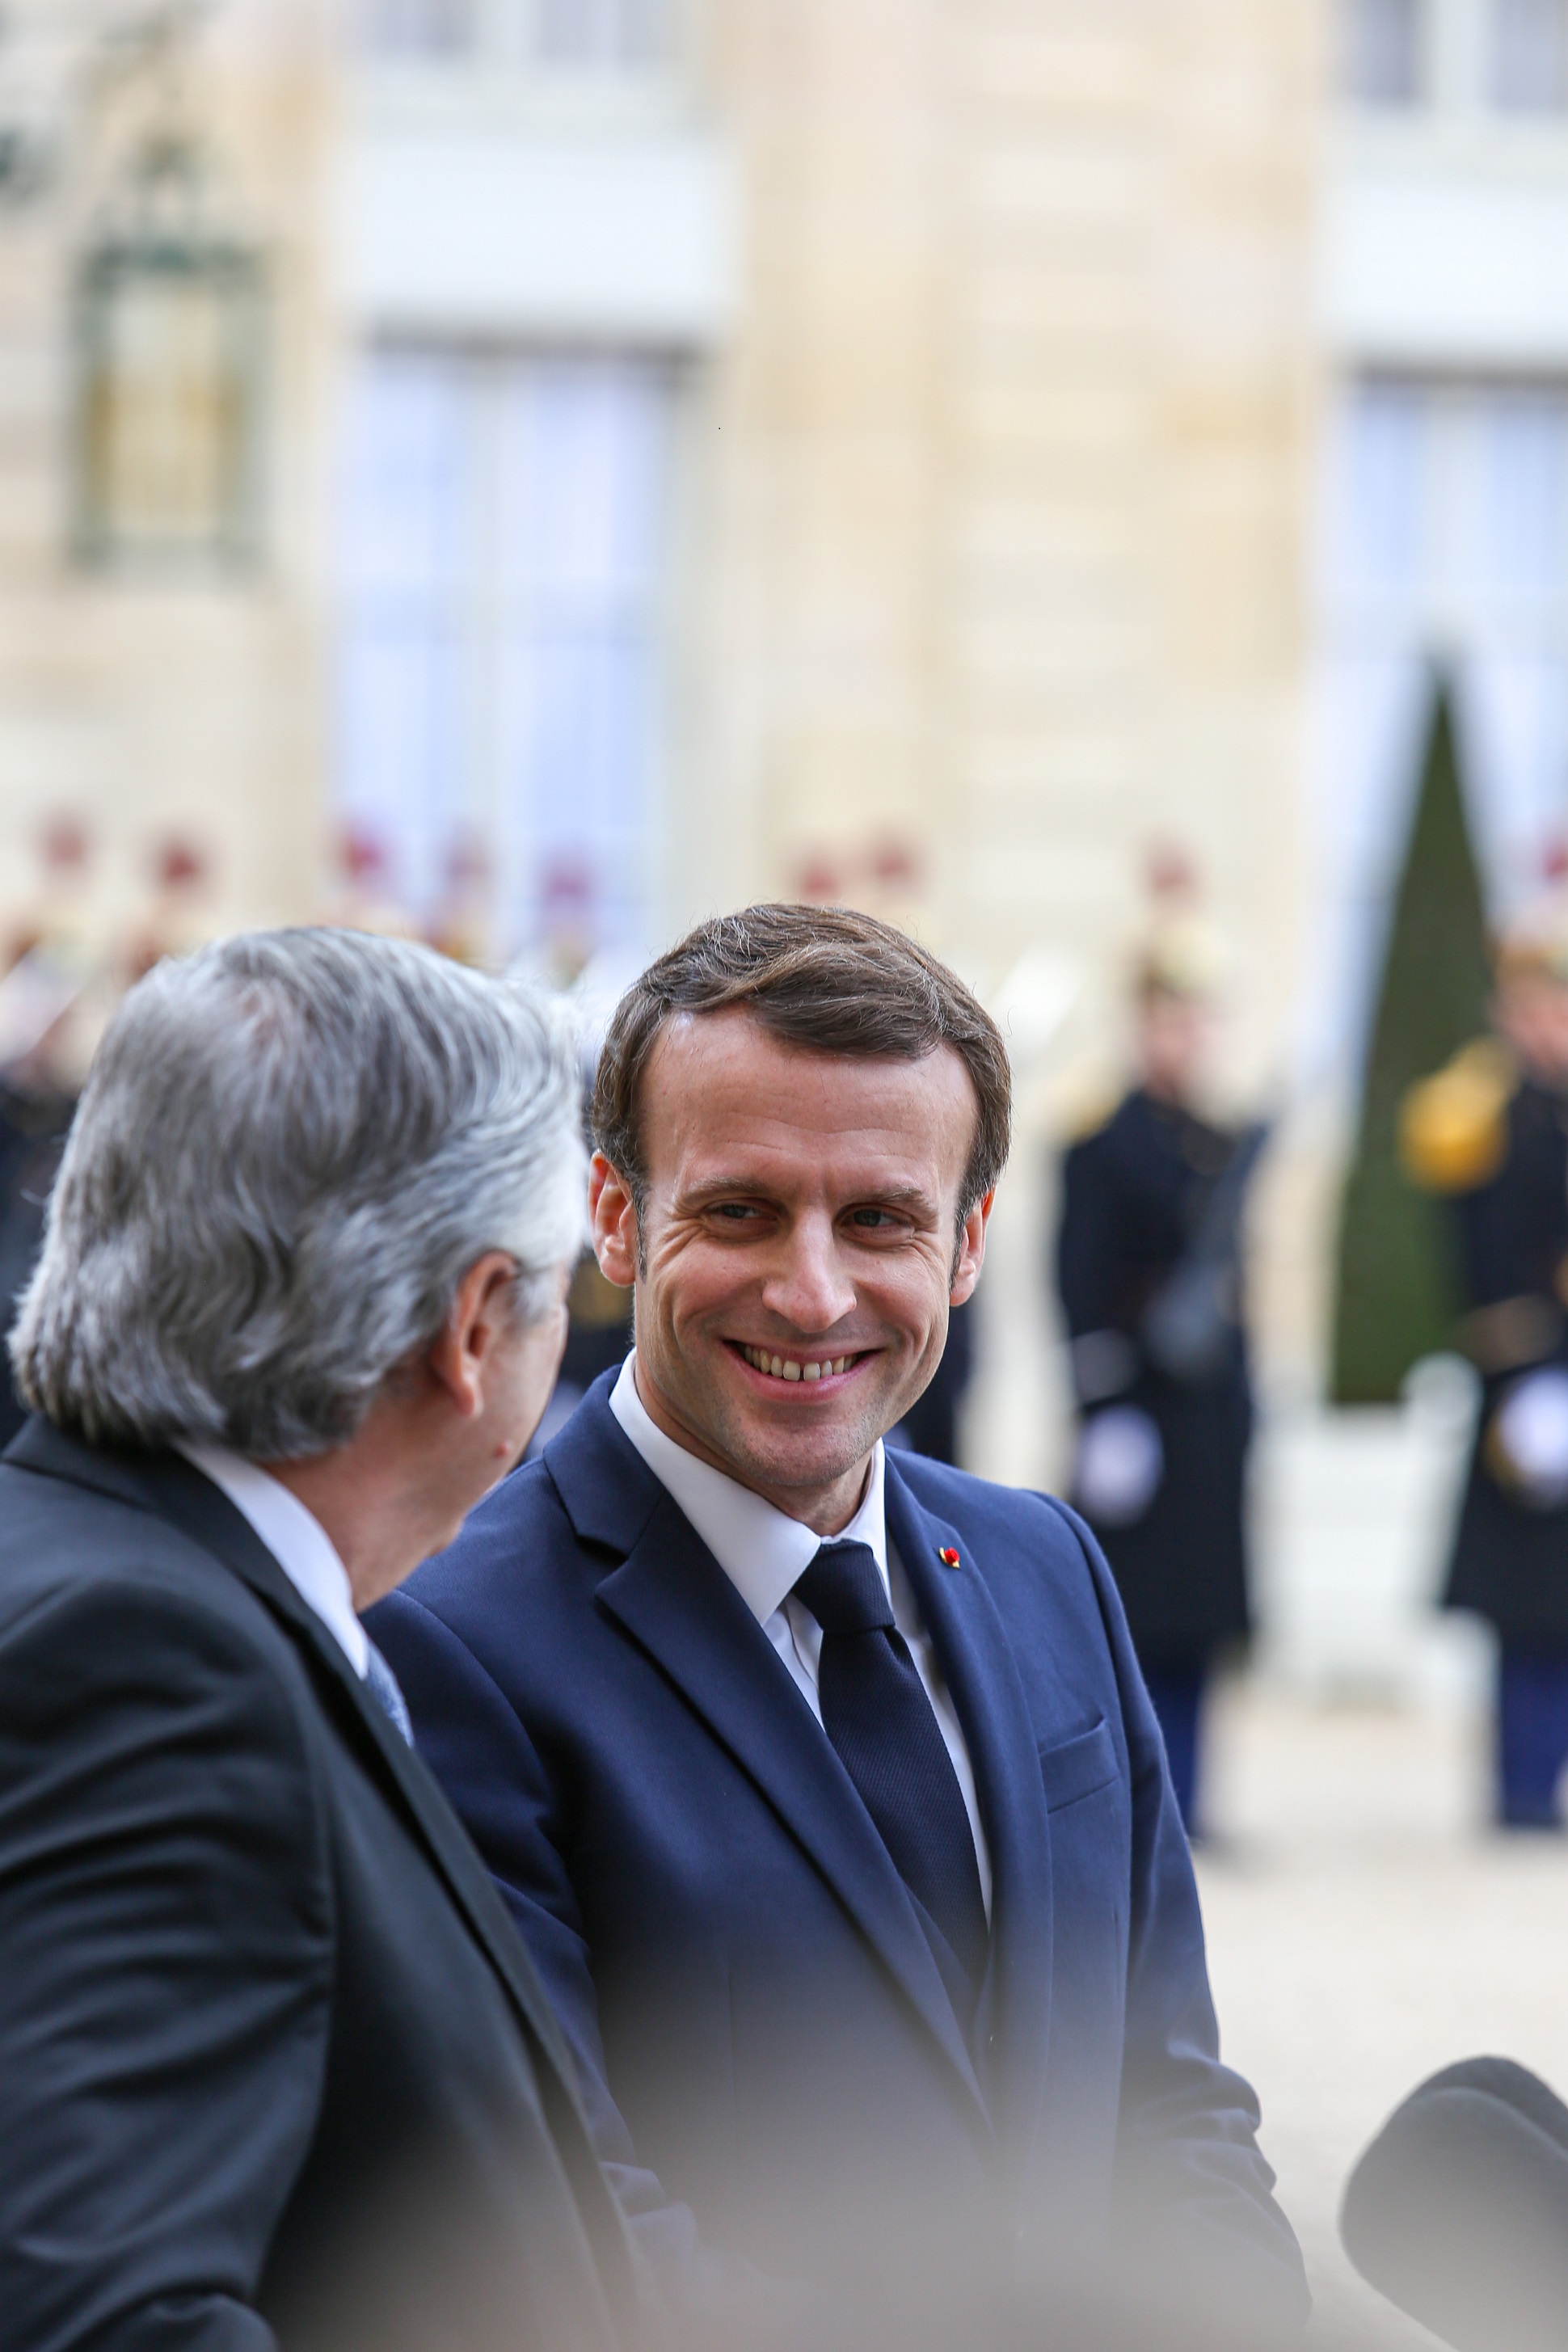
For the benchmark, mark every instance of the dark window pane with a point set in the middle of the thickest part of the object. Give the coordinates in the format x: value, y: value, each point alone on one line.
x: 1384, y: 45
x: 1530, y: 54
x: 420, y: 29
x: 602, y: 32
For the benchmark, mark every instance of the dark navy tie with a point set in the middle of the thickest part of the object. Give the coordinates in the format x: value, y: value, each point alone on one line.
x: 877, y: 1715
x: 386, y: 1687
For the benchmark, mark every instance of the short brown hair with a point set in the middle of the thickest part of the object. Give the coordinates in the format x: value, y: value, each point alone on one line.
x: 826, y: 977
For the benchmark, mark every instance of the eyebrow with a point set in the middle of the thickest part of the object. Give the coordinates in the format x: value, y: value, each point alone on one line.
x: 717, y: 1187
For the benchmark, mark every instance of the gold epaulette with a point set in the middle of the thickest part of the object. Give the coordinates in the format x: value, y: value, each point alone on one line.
x: 1089, y: 1105
x: 1453, y: 1127
x: 593, y: 1300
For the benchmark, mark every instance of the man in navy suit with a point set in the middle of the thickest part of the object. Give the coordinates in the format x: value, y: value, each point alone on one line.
x: 820, y: 1779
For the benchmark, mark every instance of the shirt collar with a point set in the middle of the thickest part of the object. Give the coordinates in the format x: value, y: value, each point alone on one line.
x: 762, y: 1551
x: 295, y: 1538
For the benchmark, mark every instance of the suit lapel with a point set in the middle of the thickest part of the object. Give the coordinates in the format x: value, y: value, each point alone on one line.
x: 977, y: 1660
x: 168, y: 1488
x: 672, y: 1597
x: 679, y: 1605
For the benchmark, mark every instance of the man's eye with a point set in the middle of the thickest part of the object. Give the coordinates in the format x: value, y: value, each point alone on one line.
x: 737, y: 1211
x: 871, y: 1219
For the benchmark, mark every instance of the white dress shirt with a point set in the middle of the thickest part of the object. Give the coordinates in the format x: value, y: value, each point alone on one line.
x: 296, y: 1541
x: 764, y: 1554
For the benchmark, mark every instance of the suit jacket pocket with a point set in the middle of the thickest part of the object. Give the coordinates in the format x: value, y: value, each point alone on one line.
x: 1078, y: 1767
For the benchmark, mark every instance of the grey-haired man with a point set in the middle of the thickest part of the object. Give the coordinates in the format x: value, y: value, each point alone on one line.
x: 274, y: 2068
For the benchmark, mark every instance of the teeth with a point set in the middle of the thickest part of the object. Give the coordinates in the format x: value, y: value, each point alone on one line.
x: 784, y: 1368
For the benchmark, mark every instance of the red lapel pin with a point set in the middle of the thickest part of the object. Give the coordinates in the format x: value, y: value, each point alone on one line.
x: 948, y: 1557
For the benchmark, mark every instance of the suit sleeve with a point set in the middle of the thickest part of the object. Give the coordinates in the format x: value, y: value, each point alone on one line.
x: 167, y: 1957
x: 470, y: 1736
x: 1195, y: 2208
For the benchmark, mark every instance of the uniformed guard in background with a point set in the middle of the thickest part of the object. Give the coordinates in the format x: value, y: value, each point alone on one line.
x: 1149, y: 1270
x: 930, y: 1425
x: 1490, y: 1132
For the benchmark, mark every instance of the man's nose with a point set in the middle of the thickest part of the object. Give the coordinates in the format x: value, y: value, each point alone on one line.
x: 809, y: 1288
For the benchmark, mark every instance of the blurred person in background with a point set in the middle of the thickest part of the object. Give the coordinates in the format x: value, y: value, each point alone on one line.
x: 57, y: 987
x: 820, y: 1776
x: 930, y: 1425
x: 1489, y: 1134
x: 36, y: 1106
x: 1149, y: 1271
x: 275, y: 2069
x: 54, y: 1000
x: 598, y: 1339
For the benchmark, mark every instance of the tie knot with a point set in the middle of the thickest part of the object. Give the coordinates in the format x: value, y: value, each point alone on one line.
x: 844, y: 1591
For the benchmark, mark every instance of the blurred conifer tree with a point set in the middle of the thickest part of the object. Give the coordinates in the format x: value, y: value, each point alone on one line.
x: 1395, y: 1297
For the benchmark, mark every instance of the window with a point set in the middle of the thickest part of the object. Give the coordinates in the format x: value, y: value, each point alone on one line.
x: 602, y: 32
x: 1529, y: 56
x: 422, y: 28
x: 502, y: 667
x: 1383, y: 61
x: 1446, y: 555
x: 592, y: 36
x: 170, y: 319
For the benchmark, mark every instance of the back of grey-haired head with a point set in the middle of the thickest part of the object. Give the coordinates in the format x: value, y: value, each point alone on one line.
x: 291, y: 1146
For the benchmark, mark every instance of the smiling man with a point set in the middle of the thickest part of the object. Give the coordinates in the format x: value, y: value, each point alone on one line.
x: 820, y: 1779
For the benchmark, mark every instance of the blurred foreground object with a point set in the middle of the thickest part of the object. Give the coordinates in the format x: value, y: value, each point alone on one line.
x: 1488, y: 1134
x: 1149, y: 1271
x: 1459, y: 2211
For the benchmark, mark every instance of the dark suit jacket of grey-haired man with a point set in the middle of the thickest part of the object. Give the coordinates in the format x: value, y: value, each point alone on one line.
x: 275, y: 2069
x: 822, y: 1781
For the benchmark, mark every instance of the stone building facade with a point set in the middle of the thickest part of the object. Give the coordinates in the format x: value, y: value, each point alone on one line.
x: 883, y: 448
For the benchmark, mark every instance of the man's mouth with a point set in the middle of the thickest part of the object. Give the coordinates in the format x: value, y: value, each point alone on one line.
x: 794, y: 1367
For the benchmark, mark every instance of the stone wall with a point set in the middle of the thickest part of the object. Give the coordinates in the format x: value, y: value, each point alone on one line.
x: 186, y: 702
x: 1009, y: 526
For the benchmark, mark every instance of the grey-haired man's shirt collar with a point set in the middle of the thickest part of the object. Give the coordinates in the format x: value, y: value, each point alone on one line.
x: 295, y: 1538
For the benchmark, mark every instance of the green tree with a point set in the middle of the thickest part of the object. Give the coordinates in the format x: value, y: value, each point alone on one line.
x: 1396, y: 1298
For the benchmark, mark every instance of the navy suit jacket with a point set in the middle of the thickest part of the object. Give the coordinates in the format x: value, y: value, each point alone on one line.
x: 764, y: 2038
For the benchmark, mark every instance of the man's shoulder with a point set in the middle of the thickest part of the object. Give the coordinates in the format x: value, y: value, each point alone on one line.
x: 109, y: 1606
x: 1024, y: 1522
x: 1098, y: 1124
x: 516, y: 1548
x: 1046, y: 1575
x: 60, y: 1538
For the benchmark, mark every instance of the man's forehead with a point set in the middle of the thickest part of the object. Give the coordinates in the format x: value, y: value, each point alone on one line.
x: 703, y: 1052
x: 721, y: 1083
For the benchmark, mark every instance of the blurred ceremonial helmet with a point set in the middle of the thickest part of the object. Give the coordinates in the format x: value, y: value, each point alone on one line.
x: 1531, y: 1001
x: 1534, y: 943
x: 1183, y: 955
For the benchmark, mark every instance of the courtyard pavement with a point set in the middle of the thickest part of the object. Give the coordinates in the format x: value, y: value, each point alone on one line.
x: 1364, y: 1929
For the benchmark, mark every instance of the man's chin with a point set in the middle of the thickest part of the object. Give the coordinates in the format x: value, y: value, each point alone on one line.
x: 780, y: 1461
x: 780, y: 1448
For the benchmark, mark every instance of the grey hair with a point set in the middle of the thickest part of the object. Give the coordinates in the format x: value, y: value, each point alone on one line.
x: 291, y: 1146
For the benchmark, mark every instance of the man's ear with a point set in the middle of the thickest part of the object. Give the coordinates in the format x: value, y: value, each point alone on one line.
x: 971, y: 1255
x: 615, y: 1221
x: 460, y: 1353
